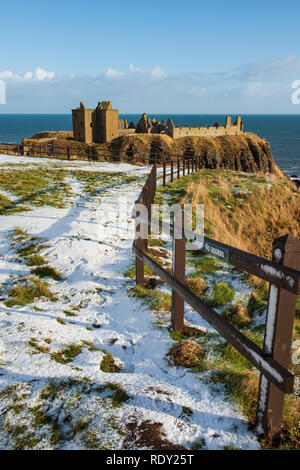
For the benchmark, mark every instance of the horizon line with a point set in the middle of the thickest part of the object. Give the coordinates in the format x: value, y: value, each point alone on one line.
x: 160, y: 113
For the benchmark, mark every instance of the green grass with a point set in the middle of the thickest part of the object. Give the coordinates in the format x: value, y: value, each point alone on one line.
x: 67, y: 355
x: 108, y: 364
x: 68, y: 313
x: 131, y: 272
x: 255, y: 304
x: 179, y: 336
x: 31, y: 289
x: 119, y: 397
x: 36, y: 260
x: 203, y: 264
x: 40, y: 187
x: 33, y: 342
x: 221, y: 295
x: 28, y: 250
x: 157, y: 300
x: 47, y: 271
x: 4, y: 204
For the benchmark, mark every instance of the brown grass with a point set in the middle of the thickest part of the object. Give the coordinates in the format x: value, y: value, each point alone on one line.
x: 187, y: 354
x: 198, y: 285
x: 238, y: 315
x: 252, y: 220
x: 149, y: 435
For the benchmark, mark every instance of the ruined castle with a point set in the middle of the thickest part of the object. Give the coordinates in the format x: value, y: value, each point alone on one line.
x: 102, y: 125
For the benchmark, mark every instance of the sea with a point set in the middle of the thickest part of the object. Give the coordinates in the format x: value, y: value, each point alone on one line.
x: 282, y: 131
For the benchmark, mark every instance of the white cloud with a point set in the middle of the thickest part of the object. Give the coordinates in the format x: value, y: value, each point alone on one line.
x: 39, y: 75
x: 271, y: 69
x: 28, y: 75
x: 111, y: 73
x: 156, y: 73
x: 257, y: 87
x: 5, y: 74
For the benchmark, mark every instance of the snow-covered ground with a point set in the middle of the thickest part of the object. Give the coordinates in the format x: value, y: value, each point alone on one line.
x: 92, y: 249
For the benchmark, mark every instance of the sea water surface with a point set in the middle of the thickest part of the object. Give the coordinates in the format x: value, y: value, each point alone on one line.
x: 282, y: 131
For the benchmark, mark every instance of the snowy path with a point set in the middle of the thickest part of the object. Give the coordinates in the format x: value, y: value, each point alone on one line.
x: 92, y: 250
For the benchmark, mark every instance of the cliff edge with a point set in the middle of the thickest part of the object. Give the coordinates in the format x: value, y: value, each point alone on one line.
x: 246, y: 152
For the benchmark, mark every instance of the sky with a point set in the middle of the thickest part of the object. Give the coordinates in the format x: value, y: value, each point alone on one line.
x: 166, y: 56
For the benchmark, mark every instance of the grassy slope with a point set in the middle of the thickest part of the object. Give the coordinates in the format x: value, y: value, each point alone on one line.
x: 247, y: 211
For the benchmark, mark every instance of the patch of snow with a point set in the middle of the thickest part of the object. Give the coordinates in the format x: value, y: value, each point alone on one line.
x: 271, y: 318
x: 92, y: 251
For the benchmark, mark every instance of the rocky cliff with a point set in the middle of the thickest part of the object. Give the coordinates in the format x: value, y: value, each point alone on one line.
x: 247, y: 152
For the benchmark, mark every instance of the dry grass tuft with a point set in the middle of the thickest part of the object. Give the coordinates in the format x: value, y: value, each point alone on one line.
x: 198, y: 285
x: 187, y: 354
x: 238, y: 315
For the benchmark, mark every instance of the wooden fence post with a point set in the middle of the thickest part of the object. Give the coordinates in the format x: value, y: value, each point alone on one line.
x: 139, y: 265
x: 178, y: 167
x: 172, y: 171
x: 164, y: 173
x: 177, y: 315
x: 154, y: 180
x: 146, y: 203
x: 183, y: 165
x: 189, y: 165
x: 278, y: 337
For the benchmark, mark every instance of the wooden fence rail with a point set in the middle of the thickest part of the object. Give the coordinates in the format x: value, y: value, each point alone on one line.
x: 87, y: 152
x: 283, y: 274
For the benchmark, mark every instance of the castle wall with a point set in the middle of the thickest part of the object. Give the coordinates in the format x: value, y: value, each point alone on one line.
x: 82, y: 125
x: 103, y: 125
x: 112, y: 125
x: 128, y: 131
x: 206, y: 131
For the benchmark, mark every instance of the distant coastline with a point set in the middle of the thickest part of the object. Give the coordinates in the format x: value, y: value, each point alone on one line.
x: 282, y: 131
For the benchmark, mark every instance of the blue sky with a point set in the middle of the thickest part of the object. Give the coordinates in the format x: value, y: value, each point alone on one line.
x: 158, y: 56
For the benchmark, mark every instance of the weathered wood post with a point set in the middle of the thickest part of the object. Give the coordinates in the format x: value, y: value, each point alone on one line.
x: 278, y: 337
x: 164, y: 173
x: 172, y: 171
x: 177, y: 315
x: 139, y: 265
x: 183, y: 165
x: 68, y: 153
x: 154, y: 180
x: 189, y: 165
x: 146, y: 203
x: 178, y: 167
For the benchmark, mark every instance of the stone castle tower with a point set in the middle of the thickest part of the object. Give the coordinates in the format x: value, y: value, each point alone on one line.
x: 102, y: 125
x: 95, y: 125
